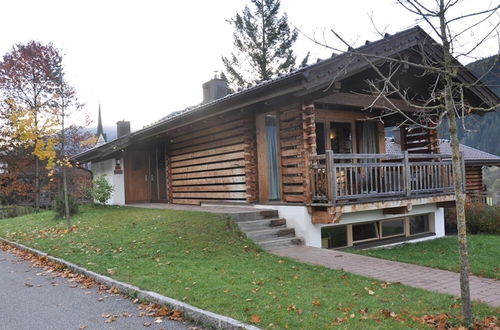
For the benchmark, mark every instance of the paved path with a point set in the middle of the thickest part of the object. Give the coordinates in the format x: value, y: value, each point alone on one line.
x: 32, y: 299
x: 486, y: 290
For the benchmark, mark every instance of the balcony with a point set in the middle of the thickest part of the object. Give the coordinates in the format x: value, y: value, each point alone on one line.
x: 342, y: 179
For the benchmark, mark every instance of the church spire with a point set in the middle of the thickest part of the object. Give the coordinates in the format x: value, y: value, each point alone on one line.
x: 101, y: 136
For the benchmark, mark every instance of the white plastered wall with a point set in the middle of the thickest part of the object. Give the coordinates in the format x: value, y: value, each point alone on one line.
x: 117, y: 181
x: 298, y: 218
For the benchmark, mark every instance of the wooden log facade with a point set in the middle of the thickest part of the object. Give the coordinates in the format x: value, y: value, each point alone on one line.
x: 474, y: 180
x: 294, y: 169
x: 213, y: 160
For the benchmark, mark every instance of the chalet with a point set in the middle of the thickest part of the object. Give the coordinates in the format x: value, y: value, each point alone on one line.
x: 305, y: 144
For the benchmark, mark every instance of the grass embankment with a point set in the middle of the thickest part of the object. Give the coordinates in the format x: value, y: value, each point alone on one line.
x: 202, y: 259
x: 442, y: 253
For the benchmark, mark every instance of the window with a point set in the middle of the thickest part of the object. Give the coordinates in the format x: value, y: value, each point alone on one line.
x: 340, y: 138
x: 320, y: 138
x: 419, y: 224
x: 271, y: 123
x: 364, y: 232
x: 333, y: 237
x: 391, y: 228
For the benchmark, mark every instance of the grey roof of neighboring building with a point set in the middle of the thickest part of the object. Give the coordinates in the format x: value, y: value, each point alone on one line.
x: 472, y: 156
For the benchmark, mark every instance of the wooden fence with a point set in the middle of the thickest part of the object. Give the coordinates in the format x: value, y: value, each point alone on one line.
x: 353, y: 177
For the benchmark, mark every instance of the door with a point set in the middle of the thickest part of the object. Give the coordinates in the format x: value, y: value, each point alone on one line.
x: 157, y: 174
x: 137, y: 179
x: 268, y: 157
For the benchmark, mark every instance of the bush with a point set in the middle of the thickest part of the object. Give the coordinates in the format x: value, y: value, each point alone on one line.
x: 479, y: 218
x: 58, y: 206
x: 101, y: 190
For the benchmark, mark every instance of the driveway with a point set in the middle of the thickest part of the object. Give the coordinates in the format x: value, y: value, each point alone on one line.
x: 31, y: 298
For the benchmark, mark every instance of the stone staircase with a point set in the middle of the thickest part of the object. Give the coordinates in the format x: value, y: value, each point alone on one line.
x: 267, y: 229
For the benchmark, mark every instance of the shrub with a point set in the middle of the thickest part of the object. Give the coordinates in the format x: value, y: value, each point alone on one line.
x: 101, y: 190
x: 58, y: 206
x: 479, y: 218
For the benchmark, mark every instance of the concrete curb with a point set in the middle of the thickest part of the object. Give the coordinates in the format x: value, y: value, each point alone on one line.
x: 189, y: 312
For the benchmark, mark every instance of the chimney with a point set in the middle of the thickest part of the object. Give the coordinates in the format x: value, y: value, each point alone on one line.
x: 215, y: 88
x: 122, y: 128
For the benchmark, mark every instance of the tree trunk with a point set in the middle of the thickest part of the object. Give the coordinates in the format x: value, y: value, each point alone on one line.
x: 64, y: 176
x: 457, y: 171
x: 37, y: 184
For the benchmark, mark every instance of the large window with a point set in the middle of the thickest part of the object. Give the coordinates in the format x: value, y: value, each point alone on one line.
x: 364, y: 232
x: 391, y: 228
x: 333, y: 237
x: 271, y: 123
x: 419, y: 224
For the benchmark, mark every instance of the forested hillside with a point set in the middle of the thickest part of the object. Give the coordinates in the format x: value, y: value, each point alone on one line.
x: 482, y: 132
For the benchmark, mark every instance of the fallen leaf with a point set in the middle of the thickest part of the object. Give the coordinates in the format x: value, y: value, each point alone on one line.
x: 111, y: 271
x: 110, y: 319
x: 255, y: 318
x: 147, y: 324
x: 316, y: 302
x: 162, y: 312
x: 29, y: 285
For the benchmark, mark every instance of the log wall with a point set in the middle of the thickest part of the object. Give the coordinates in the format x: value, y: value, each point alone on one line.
x: 474, y: 179
x: 292, y: 153
x: 214, y: 160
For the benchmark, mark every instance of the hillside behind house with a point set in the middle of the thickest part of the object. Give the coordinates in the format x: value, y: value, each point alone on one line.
x: 482, y: 131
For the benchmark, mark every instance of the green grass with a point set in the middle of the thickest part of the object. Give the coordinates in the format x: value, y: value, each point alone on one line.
x: 202, y: 259
x: 442, y: 253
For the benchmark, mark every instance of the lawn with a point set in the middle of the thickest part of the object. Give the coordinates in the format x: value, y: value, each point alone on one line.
x: 202, y: 259
x: 484, y: 256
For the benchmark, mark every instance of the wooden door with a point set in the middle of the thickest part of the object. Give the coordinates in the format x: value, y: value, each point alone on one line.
x: 137, y: 180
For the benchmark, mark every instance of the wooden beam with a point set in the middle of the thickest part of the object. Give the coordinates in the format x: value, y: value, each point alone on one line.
x: 364, y: 100
x: 398, y: 210
x: 446, y: 204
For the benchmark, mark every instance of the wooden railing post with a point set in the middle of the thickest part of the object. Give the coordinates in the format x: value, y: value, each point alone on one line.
x: 331, y: 179
x: 407, y: 174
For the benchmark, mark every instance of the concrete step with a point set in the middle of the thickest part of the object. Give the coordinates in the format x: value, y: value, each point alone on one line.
x: 254, y: 215
x: 270, y: 234
x: 260, y: 224
x: 281, y: 243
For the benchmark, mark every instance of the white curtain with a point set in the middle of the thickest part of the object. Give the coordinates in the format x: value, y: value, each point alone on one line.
x: 272, y: 158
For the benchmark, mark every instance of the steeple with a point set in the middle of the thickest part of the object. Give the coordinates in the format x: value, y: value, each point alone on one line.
x: 101, y: 136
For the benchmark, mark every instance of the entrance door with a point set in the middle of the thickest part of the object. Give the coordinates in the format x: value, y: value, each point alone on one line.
x: 137, y: 179
x: 157, y: 175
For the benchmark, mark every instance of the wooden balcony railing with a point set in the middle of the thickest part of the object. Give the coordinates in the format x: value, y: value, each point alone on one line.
x: 338, y: 178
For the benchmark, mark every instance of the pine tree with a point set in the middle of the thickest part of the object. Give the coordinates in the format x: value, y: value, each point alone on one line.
x: 263, y: 43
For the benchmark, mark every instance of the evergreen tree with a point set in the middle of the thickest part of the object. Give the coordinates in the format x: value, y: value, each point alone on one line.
x: 263, y: 44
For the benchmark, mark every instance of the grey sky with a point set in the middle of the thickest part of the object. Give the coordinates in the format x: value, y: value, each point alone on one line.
x: 145, y: 59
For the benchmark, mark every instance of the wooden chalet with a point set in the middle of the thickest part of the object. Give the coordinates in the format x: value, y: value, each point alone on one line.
x: 305, y: 144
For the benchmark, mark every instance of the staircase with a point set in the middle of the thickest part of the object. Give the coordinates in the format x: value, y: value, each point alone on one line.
x: 266, y: 229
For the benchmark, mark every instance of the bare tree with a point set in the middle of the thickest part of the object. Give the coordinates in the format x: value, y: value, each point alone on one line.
x: 447, y: 97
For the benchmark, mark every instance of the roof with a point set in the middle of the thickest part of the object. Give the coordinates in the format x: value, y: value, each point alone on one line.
x: 472, y: 156
x: 314, y: 77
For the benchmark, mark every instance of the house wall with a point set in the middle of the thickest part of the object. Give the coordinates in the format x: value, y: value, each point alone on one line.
x: 297, y: 217
x: 213, y: 159
x: 106, y: 168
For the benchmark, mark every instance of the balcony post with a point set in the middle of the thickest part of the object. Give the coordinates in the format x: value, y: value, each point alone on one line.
x: 407, y: 175
x: 331, y: 179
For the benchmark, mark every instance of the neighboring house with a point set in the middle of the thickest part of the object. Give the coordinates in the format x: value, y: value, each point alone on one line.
x: 303, y: 145
x: 474, y: 159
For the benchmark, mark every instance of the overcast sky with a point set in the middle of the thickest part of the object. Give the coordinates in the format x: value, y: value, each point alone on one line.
x: 145, y: 59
